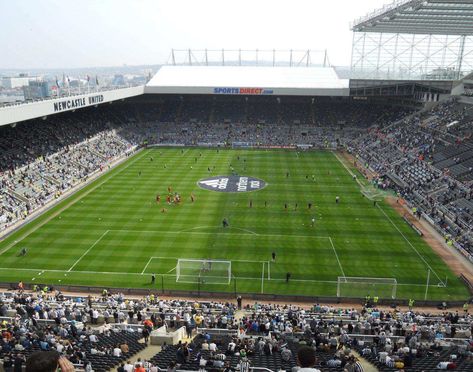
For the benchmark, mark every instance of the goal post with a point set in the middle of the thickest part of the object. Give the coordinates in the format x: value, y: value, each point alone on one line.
x: 360, y: 287
x: 204, y: 271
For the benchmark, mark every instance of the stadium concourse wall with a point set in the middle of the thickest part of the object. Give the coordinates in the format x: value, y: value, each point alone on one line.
x: 198, y: 293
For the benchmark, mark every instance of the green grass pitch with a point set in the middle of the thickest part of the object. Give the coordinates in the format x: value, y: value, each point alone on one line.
x: 113, y: 234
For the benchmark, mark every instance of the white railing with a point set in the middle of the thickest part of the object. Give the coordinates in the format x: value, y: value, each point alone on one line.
x: 68, y: 94
x: 377, y: 12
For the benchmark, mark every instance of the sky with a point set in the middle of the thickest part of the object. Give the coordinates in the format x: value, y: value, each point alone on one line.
x: 92, y: 33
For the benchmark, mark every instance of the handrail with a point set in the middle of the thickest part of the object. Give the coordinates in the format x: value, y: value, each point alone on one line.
x: 261, y: 369
x: 360, y: 335
x: 218, y: 331
x: 71, y: 94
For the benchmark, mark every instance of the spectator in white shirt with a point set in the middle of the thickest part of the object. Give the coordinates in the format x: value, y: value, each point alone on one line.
x: 117, y: 352
x: 128, y: 367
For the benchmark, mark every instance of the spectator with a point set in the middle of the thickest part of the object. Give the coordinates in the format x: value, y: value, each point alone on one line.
x: 306, y: 360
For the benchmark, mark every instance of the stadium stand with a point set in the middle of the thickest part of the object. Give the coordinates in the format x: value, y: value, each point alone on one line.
x: 107, y: 330
x: 427, y: 157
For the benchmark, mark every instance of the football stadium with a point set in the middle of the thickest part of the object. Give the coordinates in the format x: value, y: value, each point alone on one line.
x: 258, y: 215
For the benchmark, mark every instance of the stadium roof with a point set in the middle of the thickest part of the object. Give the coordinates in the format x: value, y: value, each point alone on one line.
x: 248, y: 80
x: 437, y: 17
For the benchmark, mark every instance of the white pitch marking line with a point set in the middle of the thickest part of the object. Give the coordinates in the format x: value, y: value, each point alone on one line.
x: 347, y: 169
x: 336, y: 255
x: 196, y: 228
x: 409, y: 242
x: 248, y: 231
x: 171, y: 275
x: 170, y: 271
x: 88, y: 250
x: 215, y: 227
x: 246, y: 261
x: 219, y: 233
x: 147, y: 264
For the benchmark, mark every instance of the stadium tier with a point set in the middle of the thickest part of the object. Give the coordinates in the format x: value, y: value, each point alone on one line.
x: 105, y: 331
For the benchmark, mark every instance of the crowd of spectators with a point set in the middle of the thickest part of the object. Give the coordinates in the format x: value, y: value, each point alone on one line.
x: 428, y: 159
x: 101, y: 332
x: 269, y: 121
x: 41, y: 161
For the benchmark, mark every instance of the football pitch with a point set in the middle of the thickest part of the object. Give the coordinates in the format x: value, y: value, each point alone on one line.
x: 113, y: 233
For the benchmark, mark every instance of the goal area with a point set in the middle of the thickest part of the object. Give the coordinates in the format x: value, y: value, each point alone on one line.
x: 350, y: 286
x: 203, y: 271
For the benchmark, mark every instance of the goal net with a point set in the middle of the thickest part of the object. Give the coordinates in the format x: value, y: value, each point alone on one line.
x: 203, y: 271
x: 372, y: 193
x: 349, y: 286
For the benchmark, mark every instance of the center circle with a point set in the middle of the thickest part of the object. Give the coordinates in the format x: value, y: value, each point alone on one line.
x: 231, y: 184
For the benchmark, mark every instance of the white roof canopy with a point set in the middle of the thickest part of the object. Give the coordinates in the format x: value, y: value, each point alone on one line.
x: 251, y: 80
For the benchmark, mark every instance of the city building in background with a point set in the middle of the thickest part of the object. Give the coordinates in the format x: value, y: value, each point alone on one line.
x: 12, y: 82
x: 37, y: 90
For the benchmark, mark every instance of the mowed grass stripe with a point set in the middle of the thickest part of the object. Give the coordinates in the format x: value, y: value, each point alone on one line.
x: 365, y: 241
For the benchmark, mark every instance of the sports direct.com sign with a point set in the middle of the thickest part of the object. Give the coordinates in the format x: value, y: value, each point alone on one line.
x: 246, y: 91
x: 232, y: 184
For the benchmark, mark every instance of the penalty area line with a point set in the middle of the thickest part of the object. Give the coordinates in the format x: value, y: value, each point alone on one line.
x: 336, y: 255
x: 147, y: 264
x: 88, y: 250
x: 159, y: 258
